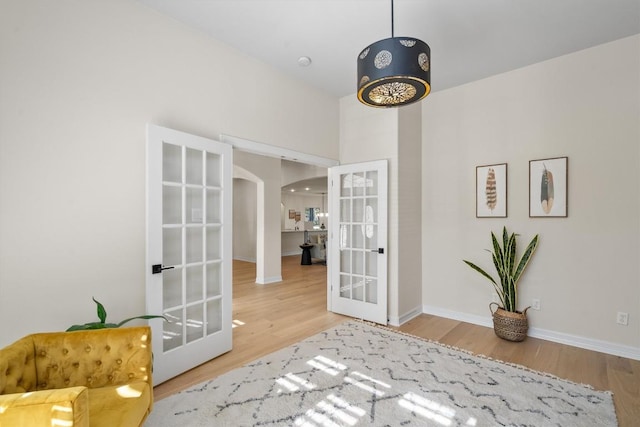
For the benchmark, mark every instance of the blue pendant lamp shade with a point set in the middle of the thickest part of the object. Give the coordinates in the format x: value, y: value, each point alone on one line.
x: 394, y: 71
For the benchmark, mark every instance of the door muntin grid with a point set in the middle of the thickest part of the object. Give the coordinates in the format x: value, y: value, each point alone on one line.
x: 192, y: 235
x: 358, y: 236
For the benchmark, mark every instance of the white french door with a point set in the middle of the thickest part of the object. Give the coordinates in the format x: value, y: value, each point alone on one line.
x: 358, y: 240
x: 189, y: 203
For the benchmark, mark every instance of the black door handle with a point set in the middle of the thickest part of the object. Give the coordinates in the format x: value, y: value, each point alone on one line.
x: 379, y: 250
x: 157, y: 268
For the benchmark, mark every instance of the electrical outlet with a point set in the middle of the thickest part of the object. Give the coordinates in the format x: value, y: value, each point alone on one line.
x: 623, y: 318
x: 535, y: 304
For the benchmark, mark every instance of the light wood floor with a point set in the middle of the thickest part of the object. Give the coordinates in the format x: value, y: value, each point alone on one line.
x: 278, y: 315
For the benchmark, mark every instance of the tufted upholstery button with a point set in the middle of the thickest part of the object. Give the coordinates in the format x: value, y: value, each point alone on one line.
x: 119, y: 361
x: 108, y: 348
x: 65, y: 351
x: 54, y: 367
x: 43, y: 353
x: 89, y: 380
x: 67, y: 381
x: 76, y: 364
x: 98, y: 362
x: 110, y: 377
x: 87, y: 348
x: 43, y: 385
x: 131, y: 376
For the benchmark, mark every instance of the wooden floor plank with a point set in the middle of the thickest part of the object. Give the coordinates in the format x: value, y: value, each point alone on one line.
x: 280, y: 314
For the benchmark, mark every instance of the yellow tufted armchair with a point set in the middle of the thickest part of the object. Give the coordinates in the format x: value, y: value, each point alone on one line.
x: 96, y: 378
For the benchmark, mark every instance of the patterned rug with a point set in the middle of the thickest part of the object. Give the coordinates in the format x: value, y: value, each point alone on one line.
x: 361, y: 375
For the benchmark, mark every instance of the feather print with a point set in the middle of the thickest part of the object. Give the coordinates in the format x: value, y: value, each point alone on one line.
x: 546, y: 190
x: 492, y: 194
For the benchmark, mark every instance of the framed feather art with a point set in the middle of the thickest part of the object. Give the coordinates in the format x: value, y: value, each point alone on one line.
x: 491, y: 191
x: 548, y: 188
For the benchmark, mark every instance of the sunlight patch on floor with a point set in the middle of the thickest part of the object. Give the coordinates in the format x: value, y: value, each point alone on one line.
x: 293, y: 383
x: 326, y: 365
x: 336, y: 411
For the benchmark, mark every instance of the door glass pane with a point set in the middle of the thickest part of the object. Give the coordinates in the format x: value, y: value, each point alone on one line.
x: 345, y: 210
x: 372, y: 291
x: 371, y: 210
x: 194, y: 244
x: 357, y: 238
x: 214, y: 243
x: 358, y: 184
x: 194, y: 166
x: 345, y: 238
x: 172, y: 246
x: 345, y: 286
x: 214, y: 279
x: 371, y: 266
x: 214, y: 206
x: 171, y: 205
x: 194, y: 206
x: 195, y: 322
x: 345, y: 261
x: 345, y: 185
x: 358, y: 210
x: 171, y: 163
x: 214, y: 170
x: 372, y: 183
x: 172, y: 332
x: 214, y: 316
x: 357, y: 288
x: 171, y: 288
x: 371, y: 241
x: 194, y: 283
x: 357, y: 266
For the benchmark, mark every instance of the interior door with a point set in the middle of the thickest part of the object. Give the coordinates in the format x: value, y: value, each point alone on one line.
x: 189, y: 256
x: 358, y: 240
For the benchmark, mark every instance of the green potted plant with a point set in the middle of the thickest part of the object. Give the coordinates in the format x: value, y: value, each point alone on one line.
x: 508, y: 322
x: 102, y: 322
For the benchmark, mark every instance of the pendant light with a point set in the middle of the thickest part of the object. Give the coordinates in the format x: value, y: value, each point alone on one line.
x: 394, y: 71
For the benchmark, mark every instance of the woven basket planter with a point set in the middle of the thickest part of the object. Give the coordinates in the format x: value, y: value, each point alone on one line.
x: 508, y: 325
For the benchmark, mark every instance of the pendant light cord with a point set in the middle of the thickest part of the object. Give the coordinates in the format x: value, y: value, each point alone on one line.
x: 391, y: 18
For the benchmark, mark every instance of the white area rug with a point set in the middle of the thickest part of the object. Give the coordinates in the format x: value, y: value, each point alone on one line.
x: 361, y: 375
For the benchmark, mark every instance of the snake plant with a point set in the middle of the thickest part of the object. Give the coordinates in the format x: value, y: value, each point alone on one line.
x: 509, y: 270
x: 102, y: 323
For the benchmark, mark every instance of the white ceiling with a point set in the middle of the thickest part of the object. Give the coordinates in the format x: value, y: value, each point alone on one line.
x: 469, y: 39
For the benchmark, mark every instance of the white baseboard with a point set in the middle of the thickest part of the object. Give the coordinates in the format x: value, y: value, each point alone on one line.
x: 268, y: 280
x: 545, y: 334
x: 291, y: 253
x: 239, y: 258
x: 399, y: 320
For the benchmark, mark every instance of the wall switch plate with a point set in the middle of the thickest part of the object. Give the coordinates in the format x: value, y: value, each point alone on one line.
x: 535, y: 304
x: 623, y: 318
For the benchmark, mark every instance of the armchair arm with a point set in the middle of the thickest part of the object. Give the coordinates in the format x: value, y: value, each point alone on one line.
x: 58, y: 407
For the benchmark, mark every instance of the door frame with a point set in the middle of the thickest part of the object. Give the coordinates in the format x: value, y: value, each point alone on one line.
x: 281, y: 153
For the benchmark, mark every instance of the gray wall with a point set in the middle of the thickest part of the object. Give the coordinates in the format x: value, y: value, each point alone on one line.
x: 586, y: 269
x: 244, y: 220
x: 80, y: 80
